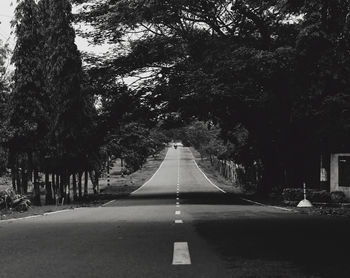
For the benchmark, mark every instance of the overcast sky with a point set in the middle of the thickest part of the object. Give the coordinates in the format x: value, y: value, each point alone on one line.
x: 6, y: 15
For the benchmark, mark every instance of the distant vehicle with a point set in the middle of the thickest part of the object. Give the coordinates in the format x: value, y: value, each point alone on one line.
x: 175, y: 146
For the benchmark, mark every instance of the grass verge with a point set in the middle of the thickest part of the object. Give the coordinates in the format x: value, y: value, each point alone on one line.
x: 119, y: 187
x: 214, y: 175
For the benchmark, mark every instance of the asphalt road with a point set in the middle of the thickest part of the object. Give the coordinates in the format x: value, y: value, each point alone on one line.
x: 177, y: 225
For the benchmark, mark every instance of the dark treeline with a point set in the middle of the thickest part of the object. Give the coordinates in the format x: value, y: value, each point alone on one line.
x: 62, y: 124
x: 276, y: 71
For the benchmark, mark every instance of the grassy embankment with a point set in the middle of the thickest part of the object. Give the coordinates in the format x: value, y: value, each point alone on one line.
x: 214, y: 175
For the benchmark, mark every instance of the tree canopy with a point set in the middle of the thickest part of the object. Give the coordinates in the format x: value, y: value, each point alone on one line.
x: 277, y: 68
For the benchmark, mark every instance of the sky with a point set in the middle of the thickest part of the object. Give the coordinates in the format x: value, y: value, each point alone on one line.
x: 7, y: 8
x: 6, y: 15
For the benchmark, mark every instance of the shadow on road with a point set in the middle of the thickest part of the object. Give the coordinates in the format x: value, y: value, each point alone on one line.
x: 293, y: 245
x: 190, y: 198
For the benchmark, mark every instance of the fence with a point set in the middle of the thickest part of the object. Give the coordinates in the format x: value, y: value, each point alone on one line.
x: 237, y: 174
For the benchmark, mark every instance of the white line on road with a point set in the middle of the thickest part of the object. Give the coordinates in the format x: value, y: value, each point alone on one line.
x: 223, y: 191
x: 181, y: 255
x: 106, y: 204
x: 35, y: 216
x: 177, y: 212
x: 177, y: 206
x: 179, y: 221
x: 177, y: 198
x: 261, y: 204
x: 177, y: 203
x: 160, y: 166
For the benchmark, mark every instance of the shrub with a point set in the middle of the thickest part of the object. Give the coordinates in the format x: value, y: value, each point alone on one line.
x: 319, y: 196
x: 292, y: 194
x: 338, y: 197
x: 297, y: 194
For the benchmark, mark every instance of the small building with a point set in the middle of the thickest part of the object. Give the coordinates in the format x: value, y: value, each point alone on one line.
x: 340, y: 173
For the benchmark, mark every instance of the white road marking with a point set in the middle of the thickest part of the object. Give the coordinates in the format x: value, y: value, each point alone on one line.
x: 261, y: 204
x: 181, y: 255
x: 177, y: 203
x: 177, y: 198
x: 106, y: 204
x: 223, y: 191
x: 35, y: 216
x: 177, y: 206
x: 177, y: 212
x: 58, y: 211
x: 160, y: 166
x: 178, y: 221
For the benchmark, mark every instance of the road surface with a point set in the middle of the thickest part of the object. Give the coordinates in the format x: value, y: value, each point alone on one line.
x: 177, y: 225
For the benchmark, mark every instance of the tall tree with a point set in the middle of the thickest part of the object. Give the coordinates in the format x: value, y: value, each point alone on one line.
x: 28, y: 116
x: 4, y: 101
x: 247, y: 63
x: 70, y: 106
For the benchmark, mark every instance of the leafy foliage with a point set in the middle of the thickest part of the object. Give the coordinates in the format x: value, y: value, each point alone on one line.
x: 276, y: 69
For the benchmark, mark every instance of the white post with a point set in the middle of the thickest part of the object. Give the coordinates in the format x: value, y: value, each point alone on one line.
x: 305, y: 203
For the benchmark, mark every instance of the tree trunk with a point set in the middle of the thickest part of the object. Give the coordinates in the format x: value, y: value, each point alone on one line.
x: 36, y: 199
x: 122, y: 166
x: 48, y: 188
x: 86, y: 182
x: 18, y: 181
x: 13, y: 175
x: 24, y: 188
x: 30, y: 167
x: 53, y: 185
x: 75, y: 195
x: 79, y: 184
x: 94, y: 176
x: 67, y: 190
x: 273, y: 176
x: 61, y: 182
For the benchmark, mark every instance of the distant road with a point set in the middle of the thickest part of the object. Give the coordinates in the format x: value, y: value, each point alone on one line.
x: 177, y: 225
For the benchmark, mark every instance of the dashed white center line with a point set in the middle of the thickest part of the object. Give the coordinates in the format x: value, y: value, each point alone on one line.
x: 177, y: 206
x: 181, y: 255
x: 178, y: 221
x: 177, y: 198
x: 178, y: 203
x: 177, y: 212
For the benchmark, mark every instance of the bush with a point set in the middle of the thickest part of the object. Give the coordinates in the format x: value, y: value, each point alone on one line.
x: 338, y: 197
x: 10, y: 200
x: 292, y: 194
x: 297, y: 194
x: 319, y: 196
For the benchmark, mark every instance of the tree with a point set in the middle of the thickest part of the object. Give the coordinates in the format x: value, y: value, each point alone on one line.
x: 71, y: 108
x: 28, y: 116
x: 4, y: 100
x: 51, y: 114
x: 245, y: 63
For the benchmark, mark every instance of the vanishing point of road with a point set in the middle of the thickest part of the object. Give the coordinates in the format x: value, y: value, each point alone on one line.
x: 178, y: 224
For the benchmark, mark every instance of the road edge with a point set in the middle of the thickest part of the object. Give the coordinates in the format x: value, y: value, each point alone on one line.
x: 243, y: 199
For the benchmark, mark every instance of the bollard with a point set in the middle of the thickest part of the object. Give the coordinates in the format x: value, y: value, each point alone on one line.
x: 305, y: 203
